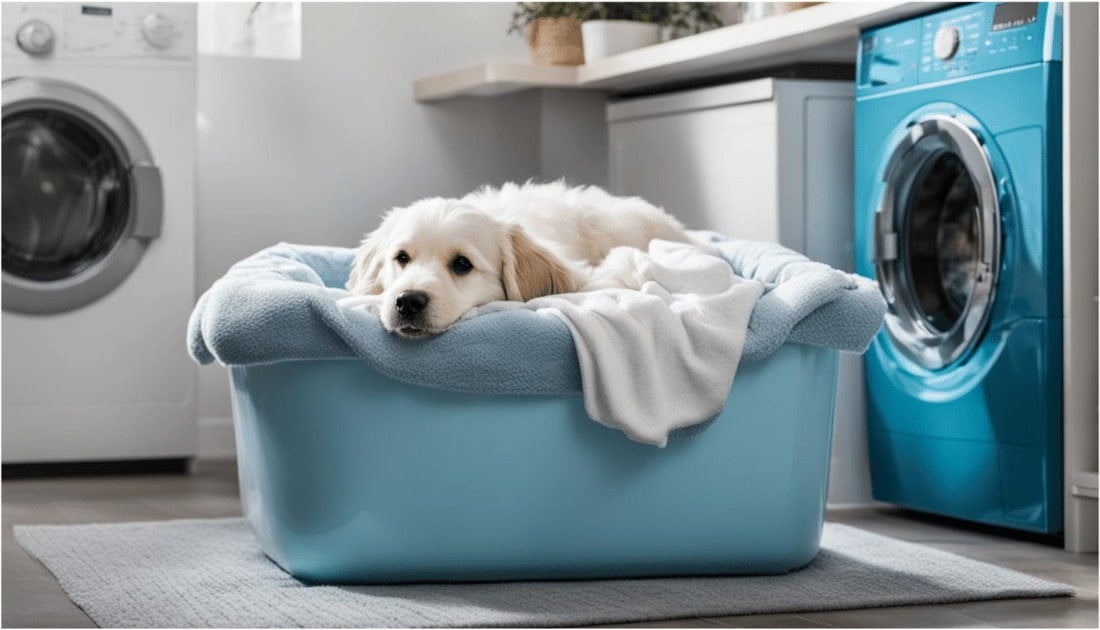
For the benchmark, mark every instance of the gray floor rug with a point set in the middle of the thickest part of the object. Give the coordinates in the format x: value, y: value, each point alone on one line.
x: 212, y: 573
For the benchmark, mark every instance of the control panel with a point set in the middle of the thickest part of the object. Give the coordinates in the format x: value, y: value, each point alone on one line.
x: 968, y: 40
x: 78, y: 32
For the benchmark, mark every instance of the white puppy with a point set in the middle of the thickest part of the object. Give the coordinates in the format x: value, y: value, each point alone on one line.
x: 436, y: 259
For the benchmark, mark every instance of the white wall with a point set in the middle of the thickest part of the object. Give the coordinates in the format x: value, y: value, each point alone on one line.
x: 573, y: 141
x: 314, y: 150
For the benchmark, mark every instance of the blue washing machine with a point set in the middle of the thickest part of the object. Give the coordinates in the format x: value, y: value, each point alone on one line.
x: 958, y: 217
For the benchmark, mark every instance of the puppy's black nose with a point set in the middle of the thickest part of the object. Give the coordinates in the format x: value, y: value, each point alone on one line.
x: 410, y: 303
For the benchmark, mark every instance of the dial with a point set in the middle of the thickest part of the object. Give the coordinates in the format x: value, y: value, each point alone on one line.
x: 946, y: 43
x: 157, y: 30
x: 35, y: 38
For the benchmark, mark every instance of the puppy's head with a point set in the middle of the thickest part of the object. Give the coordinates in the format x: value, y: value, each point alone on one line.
x: 438, y: 258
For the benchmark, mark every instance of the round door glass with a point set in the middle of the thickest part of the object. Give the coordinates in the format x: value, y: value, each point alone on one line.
x: 65, y: 195
x: 941, y: 245
x: 937, y: 241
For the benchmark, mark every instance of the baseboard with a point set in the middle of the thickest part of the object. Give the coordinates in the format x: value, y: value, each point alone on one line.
x: 163, y: 466
x: 216, y: 439
x: 873, y: 504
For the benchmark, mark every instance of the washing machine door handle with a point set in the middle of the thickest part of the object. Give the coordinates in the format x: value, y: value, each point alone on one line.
x: 885, y: 246
x: 886, y: 239
x: 149, y: 190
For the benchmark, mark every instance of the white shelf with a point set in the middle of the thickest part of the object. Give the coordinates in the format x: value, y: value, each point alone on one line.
x: 492, y: 78
x: 825, y: 33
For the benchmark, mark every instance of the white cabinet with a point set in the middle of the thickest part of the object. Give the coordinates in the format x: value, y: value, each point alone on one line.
x: 769, y: 159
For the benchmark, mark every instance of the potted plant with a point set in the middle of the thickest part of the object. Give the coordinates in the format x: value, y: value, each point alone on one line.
x: 690, y: 18
x: 615, y: 27
x: 553, y: 30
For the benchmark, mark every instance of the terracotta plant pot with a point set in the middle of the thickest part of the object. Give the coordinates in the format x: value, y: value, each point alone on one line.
x: 555, y: 41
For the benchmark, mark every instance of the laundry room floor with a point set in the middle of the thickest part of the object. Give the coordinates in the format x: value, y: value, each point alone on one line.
x: 33, y: 598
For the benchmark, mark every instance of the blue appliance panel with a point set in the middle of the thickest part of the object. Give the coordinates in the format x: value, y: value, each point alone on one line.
x: 991, y: 36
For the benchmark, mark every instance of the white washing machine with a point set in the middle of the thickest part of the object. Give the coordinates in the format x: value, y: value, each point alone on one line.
x: 99, y: 145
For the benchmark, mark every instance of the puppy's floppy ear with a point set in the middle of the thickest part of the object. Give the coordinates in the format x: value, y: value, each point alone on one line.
x: 364, y: 277
x: 529, y: 270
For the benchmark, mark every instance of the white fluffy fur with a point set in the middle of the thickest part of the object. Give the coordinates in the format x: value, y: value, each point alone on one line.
x: 524, y: 241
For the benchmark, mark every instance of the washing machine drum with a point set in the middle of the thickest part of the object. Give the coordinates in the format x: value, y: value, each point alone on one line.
x: 81, y: 196
x: 937, y: 242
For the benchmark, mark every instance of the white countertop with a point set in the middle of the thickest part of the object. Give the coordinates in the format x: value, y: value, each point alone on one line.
x: 826, y: 33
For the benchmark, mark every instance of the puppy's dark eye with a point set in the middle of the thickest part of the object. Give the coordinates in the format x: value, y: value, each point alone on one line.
x: 402, y: 258
x: 461, y: 265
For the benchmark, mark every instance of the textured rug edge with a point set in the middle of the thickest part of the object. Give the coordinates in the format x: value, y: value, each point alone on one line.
x: 19, y: 532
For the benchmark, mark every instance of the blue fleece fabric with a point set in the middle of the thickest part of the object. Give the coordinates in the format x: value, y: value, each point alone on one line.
x: 280, y: 304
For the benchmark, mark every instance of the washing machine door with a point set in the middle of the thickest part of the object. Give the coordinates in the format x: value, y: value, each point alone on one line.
x: 81, y: 196
x: 938, y: 241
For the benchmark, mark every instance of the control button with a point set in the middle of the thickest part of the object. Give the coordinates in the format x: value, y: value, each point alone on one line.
x: 35, y: 37
x: 157, y: 30
x: 947, y: 42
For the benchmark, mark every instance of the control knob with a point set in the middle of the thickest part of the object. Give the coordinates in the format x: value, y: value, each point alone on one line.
x: 157, y: 30
x: 35, y: 38
x: 946, y: 42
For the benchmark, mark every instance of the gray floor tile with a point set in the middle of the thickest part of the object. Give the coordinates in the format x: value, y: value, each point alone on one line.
x: 1076, y: 569
x: 1058, y: 612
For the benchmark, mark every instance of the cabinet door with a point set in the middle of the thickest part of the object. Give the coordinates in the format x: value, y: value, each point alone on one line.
x: 713, y: 169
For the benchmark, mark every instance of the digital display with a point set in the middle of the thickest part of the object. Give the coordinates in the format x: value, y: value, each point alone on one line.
x: 1014, y: 14
x: 87, y: 10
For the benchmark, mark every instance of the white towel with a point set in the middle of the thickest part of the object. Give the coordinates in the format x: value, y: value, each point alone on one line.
x: 663, y: 356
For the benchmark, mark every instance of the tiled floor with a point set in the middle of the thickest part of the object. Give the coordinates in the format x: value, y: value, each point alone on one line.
x: 31, y: 597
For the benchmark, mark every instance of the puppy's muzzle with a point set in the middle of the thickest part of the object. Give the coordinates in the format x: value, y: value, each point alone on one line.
x: 410, y: 305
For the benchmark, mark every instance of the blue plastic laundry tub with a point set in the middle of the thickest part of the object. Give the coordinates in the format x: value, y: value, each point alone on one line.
x: 350, y: 476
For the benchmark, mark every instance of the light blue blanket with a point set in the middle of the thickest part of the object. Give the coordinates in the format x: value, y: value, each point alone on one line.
x: 280, y: 304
